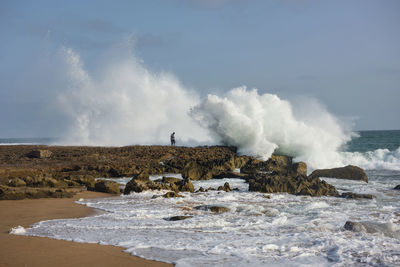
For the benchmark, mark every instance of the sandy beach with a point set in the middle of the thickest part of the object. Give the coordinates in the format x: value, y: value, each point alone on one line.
x: 37, y: 251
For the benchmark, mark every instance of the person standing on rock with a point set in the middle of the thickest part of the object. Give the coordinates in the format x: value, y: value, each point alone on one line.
x: 173, y: 139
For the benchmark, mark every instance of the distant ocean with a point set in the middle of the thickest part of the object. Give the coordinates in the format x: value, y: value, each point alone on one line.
x: 28, y: 141
x: 283, y: 230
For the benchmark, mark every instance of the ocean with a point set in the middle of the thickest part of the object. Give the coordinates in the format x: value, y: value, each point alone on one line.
x: 259, y: 229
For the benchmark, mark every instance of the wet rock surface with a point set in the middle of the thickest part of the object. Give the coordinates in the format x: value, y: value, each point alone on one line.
x: 397, y: 187
x: 178, y: 218
x: 354, y: 226
x: 349, y: 172
x: 212, y: 208
x: 351, y: 195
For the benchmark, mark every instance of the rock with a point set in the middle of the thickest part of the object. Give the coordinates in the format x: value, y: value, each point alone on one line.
x: 16, y: 182
x: 106, y: 186
x: 230, y: 175
x: 276, y: 163
x: 349, y: 172
x: 299, y: 168
x: 40, y: 154
x: 297, y: 185
x: 225, y: 188
x: 351, y: 195
x: 185, y: 185
x: 397, y: 187
x: 195, y: 171
x: 87, y: 181
x: 212, y: 208
x: 201, y: 189
x: 14, y: 193
x: 143, y: 176
x: 138, y: 185
x: 171, y: 180
x: 178, y: 218
x: 354, y: 226
x: 171, y: 194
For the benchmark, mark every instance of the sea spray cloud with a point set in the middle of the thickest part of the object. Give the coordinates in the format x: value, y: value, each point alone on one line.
x: 125, y: 104
x: 262, y: 124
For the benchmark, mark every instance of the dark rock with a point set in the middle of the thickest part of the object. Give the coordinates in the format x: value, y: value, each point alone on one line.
x: 299, y: 168
x: 351, y: 195
x: 171, y: 180
x: 349, y: 172
x: 277, y: 163
x: 201, y: 189
x: 40, y: 154
x: 354, y: 226
x: 138, y: 185
x: 230, y: 175
x: 225, y: 188
x: 178, y: 218
x: 185, y: 185
x: 297, y: 185
x: 397, y: 187
x: 171, y: 194
x: 106, y: 186
x: 212, y: 208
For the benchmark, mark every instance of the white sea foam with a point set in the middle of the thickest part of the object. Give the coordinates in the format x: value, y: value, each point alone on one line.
x: 378, y: 159
x: 18, y: 230
x: 284, y: 230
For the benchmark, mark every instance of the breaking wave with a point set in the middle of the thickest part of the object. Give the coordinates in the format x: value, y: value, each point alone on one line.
x: 124, y: 103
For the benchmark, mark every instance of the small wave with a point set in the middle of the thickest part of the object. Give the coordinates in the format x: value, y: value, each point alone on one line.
x: 377, y: 159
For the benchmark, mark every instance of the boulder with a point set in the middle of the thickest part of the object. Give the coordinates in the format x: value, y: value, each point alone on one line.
x: 171, y: 194
x: 106, y: 186
x: 39, y: 153
x: 185, y: 185
x: 351, y: 195
x: 195, y: 171
x: 354, y: 226
x: 201, y: 189
x: 349, y: 172
x: 397, y: 187
x: 178, y: 218
x: 225, y: 188
x: 212, y: 208
x: 297, y: 185
x: 276, y: 163
x: 138, y: 185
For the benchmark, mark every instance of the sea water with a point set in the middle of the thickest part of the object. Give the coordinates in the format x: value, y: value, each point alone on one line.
x: 259, y: 229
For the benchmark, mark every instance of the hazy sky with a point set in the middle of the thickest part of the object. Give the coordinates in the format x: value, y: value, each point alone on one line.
x: 344, y: 53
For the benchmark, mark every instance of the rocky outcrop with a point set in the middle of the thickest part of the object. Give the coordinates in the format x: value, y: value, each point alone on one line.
x: 105, y: 186
x: 14, y: 193
x: 277, y: 163
x: 204, y: 170
x: 39, y: 154
x: 349, y: 172
x: 351, y: 195
x: 354, y: 226
x: 225, y: 188
x: 16, y: 182
x: 138, y: 185
x: 293, y: 184
x: 212, y: 208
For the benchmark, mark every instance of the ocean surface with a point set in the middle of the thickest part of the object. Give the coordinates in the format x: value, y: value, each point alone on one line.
x: 282, y: 230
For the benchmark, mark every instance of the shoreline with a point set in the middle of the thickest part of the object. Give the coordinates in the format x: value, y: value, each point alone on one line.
x: 41, y: 251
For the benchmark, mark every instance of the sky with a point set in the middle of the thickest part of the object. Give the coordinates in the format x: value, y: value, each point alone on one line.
x: 344, y: 53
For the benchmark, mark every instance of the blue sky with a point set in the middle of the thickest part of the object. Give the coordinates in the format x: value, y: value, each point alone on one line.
x: 346, y: 54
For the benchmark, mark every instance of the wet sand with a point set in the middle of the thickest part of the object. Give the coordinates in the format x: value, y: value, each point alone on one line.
x: 39, y: 251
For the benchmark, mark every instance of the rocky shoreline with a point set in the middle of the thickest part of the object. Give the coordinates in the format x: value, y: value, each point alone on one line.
x: 62, y: 171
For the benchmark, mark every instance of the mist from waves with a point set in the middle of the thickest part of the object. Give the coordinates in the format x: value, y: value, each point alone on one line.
x: 124, y: 103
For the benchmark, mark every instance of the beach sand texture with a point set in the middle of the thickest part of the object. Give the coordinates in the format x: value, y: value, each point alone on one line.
x: 38, y: 251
